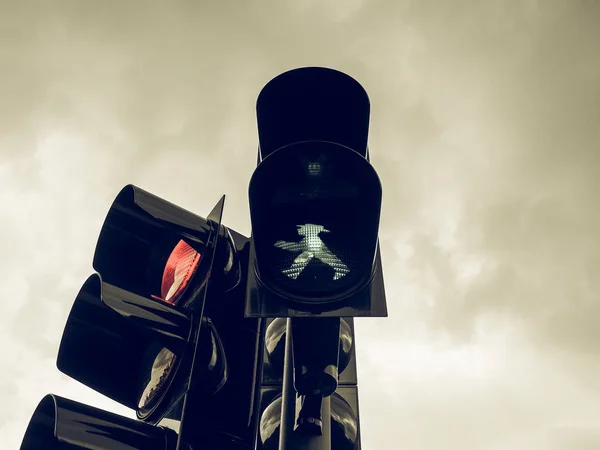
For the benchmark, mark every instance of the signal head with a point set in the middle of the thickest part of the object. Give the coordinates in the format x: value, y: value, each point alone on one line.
x: 59, y: 423
x: 315, y: 200
x: 155, y: 249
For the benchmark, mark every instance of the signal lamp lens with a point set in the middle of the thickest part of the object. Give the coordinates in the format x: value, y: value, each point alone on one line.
x: 270, y: 425
x: 346, y: 344
x: 179, y: 270
x: 344, y: 423
x: 162, y: 368
x: 275, y: 342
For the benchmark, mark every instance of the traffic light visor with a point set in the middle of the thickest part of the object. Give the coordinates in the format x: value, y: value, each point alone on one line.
x: 59, y: 423
x: 312, y: 103
x: 122, y: 345
x: 153, y: 248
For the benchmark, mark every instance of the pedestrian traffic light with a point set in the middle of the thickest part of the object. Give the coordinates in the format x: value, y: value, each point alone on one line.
x: 345, y: 429
x: 315, y: 201
x: 159, y: 329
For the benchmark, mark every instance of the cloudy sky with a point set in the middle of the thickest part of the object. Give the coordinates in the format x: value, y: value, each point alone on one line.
x: 485, y: 133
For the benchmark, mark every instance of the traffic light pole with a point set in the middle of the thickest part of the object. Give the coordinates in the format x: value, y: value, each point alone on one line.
x: 288, y: 438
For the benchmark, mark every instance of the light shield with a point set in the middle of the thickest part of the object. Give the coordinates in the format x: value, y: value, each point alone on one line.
x: 126, y: 347
x: 312, y: 104
x: 155, y: 249
x: 180, y: 268
x: 315, y: 210
x: 59, y: 424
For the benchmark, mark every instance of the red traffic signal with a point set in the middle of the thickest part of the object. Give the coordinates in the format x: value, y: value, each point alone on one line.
x: 155, y: 249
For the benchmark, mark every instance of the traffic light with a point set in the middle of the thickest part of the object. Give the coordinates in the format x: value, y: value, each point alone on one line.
x: 173, y: 323
x: 345, y: 425
x: 160, y: 329
x: 315, y: 201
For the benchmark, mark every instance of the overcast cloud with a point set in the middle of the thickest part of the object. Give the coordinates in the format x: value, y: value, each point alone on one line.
x: 485, y: 133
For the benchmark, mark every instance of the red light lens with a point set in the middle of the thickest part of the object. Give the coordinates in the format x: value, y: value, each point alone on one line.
x: 179, y: 270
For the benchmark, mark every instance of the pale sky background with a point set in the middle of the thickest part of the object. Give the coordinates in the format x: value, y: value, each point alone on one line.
x: 485, y: 130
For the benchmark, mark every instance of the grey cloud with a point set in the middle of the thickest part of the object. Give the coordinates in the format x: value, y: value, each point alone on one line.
x: 581, y: 438
x: 484, y: 135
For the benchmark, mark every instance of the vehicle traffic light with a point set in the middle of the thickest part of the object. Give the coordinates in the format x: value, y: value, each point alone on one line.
x: 59, y: 423
x: 345, y: 425
x: 159, y: 329
x: 315, y: 201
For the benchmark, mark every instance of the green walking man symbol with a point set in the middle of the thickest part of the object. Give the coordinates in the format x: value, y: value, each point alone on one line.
x: 311, y: 246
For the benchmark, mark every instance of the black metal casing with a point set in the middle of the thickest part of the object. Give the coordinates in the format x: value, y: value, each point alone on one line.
x: 60, y: 424
x: 315, y: 201
x: 345, y: 433
x: 118, y: 323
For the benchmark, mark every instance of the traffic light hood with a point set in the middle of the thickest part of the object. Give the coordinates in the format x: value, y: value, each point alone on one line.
x: 59, y: 423
x: 139, y: 235
x: 114, y: 339
x: 312, y: 104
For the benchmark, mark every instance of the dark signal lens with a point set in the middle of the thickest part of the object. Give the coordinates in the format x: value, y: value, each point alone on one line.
x: 157, y: 379
x: 270, y: 425
x: 179, y: 270
x: 344, y: 424
x: 346, y: 345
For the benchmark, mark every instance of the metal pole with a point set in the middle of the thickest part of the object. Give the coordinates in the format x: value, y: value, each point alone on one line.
x: 288, y: 439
